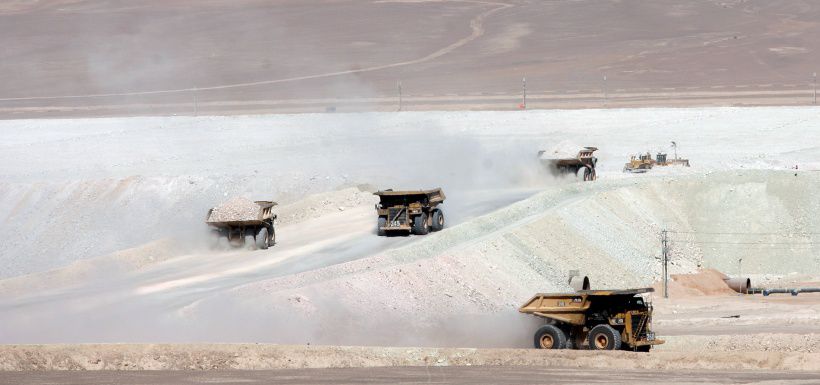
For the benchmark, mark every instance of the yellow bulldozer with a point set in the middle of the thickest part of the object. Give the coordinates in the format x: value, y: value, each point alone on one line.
x: 639, y: 163
x: 644, y: 162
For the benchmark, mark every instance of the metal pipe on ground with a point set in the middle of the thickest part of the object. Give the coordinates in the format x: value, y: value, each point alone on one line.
x: 766, y: 292
x: 741, y: 285
x: 793, y: 292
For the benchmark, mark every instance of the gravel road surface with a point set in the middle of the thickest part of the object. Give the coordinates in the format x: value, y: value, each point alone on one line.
x: 413, y: 375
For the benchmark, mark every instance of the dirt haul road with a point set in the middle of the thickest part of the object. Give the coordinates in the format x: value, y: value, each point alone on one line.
x: 135, y: 191
x: 500, y: 375
x: 266, y: 357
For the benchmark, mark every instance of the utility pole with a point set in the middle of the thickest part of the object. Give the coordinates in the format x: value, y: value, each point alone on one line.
x: 398, y: 85
x: 814, y: 75
x: 665, y: 253
x: 196, y: 101
x: 675, y: 148
x: 524, y: 93
x: 740, y: 274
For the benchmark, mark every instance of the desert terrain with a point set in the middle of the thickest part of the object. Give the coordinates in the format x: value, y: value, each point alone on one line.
x: 120, y: 58
x: 122, y: 123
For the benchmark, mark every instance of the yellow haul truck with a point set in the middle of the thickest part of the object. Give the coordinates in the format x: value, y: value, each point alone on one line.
x: 594, y: 319
x: 411, y: 211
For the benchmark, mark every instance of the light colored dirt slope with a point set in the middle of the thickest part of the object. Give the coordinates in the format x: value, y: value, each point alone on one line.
x: 461, y: 284
x: 512, y: 231
x: 64, y: 180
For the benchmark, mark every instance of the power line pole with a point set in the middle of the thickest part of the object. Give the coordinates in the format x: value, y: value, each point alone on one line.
x: 398, y: 85
x: 814, y: 75
x: 524, y: 93
x: 196, y: 101
x: 665, y: 253
x: 740, y: 274
x: 605, y: 93
x: 675, y: 148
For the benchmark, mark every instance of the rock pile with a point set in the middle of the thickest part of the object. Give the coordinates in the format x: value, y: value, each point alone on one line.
x: 563, y: 150
x: 236, y: 209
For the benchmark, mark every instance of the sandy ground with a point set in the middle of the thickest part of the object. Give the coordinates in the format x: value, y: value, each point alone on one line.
x: 261, y: 357
x: 417, y: 375
x: 81, y: 58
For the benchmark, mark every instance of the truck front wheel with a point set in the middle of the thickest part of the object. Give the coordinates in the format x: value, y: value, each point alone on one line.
x: 438, y: 220
x: 550, y: 337
x: 589, y: 174
x: 420, y: 224
x: 604, y: 337
x: 262, y: 238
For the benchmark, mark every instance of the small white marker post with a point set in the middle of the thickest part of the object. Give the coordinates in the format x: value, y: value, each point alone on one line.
x: 665, y: 256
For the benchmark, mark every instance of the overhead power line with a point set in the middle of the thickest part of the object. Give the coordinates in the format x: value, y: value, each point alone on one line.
x: 722, y: 233
x: 767, y: 249
x: 748, y: 243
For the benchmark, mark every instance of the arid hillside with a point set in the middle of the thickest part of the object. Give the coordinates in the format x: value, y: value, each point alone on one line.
x: 87, y: 58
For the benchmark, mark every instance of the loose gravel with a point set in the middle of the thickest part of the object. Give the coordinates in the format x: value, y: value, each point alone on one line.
x: 235, y: 210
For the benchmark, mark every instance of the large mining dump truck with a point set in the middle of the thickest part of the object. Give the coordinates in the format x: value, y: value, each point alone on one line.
x: 594, y: 319
x: 561, y: 162
x: 240, y: 222
x: 415, y: 212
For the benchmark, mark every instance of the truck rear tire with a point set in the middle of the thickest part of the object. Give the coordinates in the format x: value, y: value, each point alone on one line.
x: 550, y: 337
x: 262, y: 239
x: 438, y: 220
x: 250, y: 243
x: 380, y: 226
x: 420, y: 224
x: 604, y: 337
x: 589, y: 174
